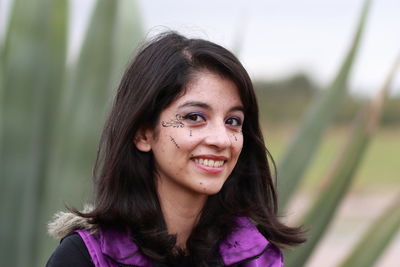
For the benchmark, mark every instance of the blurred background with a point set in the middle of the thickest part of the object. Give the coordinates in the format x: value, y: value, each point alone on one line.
x: 327, y: 86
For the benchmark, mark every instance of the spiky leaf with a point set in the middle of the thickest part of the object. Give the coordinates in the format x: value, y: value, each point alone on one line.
x: 303, y: 146
x: 34, y: 60
x: 341, y: 174
x: 110, y: 40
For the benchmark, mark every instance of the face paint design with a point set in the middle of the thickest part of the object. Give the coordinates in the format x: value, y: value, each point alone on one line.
x: 190, y: 133
x: 235, y: 137
x: 173, y: 141
x: 176, y: 123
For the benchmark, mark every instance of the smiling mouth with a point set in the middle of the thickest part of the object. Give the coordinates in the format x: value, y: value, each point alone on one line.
x: 209, y: 162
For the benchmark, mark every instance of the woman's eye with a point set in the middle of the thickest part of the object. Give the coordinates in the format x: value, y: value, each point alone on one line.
x: 194, y: 118
x: 236, y: 122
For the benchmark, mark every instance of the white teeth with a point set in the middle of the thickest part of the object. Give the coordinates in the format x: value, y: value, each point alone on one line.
x: 209, y: 162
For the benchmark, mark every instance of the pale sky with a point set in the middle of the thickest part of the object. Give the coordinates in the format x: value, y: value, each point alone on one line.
x: 278, y: 37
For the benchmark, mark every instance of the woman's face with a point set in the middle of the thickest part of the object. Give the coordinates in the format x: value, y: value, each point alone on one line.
x: 198, y: 139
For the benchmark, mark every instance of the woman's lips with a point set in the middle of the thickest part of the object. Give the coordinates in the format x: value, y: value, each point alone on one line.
x: 210, y: 163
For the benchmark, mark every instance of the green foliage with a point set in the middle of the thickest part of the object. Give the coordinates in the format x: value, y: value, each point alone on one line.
x: 47, y: 147
x: 295, y: 93
x: 391, y: 112
x: 341, y: 173
x: 304, y: 144
x: 374, y: 241
x: 340, y: 176
x: 33, y: 64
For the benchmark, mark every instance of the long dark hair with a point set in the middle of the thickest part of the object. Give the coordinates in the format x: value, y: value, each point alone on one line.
x: 124, y: 181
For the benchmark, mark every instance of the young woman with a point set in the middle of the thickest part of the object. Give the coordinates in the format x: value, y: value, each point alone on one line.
x: 182, y: 176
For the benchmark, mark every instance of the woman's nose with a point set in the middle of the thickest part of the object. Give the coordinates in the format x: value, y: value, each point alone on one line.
x: 218, y: 136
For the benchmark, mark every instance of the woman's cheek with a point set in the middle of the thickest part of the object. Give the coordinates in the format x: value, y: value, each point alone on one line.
x: 181, y: 138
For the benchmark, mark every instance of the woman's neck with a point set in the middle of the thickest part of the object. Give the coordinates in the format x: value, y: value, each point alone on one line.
x: 181, y: 210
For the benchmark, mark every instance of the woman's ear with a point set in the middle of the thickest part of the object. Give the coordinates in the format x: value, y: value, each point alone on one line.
x: 143, y: 140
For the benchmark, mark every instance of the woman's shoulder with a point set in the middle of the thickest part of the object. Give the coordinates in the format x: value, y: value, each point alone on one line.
x: 106, y: 245
x: 70, y: 252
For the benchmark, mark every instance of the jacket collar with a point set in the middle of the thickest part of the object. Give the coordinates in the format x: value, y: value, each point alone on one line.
x: 118, y: 245
x: 245, y: 242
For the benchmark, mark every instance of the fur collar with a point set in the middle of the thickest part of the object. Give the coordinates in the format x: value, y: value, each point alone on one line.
x: 64, y: 223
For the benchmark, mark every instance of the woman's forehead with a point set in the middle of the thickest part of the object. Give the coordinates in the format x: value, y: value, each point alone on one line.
x: 210, y: 88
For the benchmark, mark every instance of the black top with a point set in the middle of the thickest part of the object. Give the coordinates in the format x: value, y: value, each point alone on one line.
x: 71, y: 252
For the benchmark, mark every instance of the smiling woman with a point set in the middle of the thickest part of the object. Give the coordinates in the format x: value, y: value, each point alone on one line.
x: 182, y: 176
x: 199, y: 164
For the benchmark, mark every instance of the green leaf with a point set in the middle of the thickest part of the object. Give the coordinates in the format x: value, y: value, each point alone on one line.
x: 112, y: 36
x: 33, y: 67
x: 374, y: 241
x: 300, y: 151
x: 340, y: 176
x: 128, y: 34
x: 79, y: 118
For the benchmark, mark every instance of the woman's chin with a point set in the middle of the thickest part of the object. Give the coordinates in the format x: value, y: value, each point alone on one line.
x: 209, y: 189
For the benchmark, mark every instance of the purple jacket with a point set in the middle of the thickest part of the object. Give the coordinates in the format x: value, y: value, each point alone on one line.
x: 245, y: 247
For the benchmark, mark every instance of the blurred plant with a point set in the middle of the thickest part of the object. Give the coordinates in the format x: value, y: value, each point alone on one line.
x: 305, y: 143
x: 381, y: 232
x: 52, y: 115
x: 338, y: 179
x: 33, y: 65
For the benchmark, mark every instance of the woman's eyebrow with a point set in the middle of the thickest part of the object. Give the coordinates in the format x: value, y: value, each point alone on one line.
x: 237, y: 108
x: 195, y: 104
x: 206, y: 106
